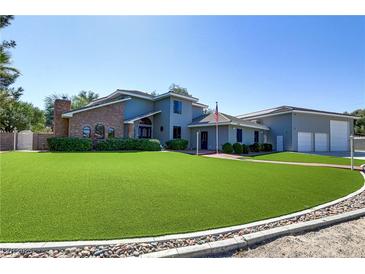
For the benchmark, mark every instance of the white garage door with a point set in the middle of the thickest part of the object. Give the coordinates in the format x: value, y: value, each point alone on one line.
x: 304, y: 141
x: 339, y: 135
x: 320, y: 141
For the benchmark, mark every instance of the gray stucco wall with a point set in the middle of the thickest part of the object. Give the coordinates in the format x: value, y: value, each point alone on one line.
x: 222, y: 136
x: 248, y: 135
x: 280, y: 125
x: 162, y: 120
x: 183, y: 119
x: 197, y: 111
x: 315, y: 124
x: 136, y: 107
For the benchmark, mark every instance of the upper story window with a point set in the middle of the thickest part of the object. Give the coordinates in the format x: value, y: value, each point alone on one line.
x: 177, y: 132
x: 239, y: 135
x: 99, y: 131
x: 111, y: 132
x: 177, y: 107
x: 256, y: 137
x: 86, y: 132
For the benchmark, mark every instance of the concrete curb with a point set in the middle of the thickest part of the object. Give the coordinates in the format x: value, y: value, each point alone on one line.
x: 219, y: 247
x: 68, y: 244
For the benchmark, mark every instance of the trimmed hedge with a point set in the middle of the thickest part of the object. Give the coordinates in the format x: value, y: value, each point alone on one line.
x: 244, y: 149
x: 69, y: 144
x: 237, y: 148
x: 266, y: 147
x: 114, y: 144
x: 254, y: 147
x: 177, y: 144
x: 227, y: 148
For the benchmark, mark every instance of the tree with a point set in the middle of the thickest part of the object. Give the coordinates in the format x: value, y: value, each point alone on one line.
x: 8, y: 74
x: 13, y: 112
x: 20, y: 115
x: 360, y: 123
x: 179, y: 90
x: 49, y: 106
x: 83, y: 98
x: 77, y: 101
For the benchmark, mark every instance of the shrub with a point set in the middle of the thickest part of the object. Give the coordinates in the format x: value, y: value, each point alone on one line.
x: 227, y: 148
x: 115, y: 144
x: 254, y: 147
x: 244, y: 149
x: 177, y: 144
x: 69, y: 144
x: 237, y: 148
x: 266, y: 147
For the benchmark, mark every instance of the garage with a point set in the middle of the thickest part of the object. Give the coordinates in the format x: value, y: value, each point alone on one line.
x: 305, y: 141
x: 320, y: 142
x: 339, y: 135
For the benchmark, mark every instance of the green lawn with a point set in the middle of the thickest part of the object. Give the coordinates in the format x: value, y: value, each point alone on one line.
x: 72, y: 196
x: 306, y: 158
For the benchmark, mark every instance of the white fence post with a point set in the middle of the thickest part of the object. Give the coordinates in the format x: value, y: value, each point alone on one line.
x: 352, y: 151
x: 197, y: 142
x: 14, y: 141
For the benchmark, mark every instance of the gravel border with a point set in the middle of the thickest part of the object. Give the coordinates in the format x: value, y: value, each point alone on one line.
x: 139, y: 248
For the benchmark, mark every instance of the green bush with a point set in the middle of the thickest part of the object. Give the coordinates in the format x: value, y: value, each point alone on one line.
x: 177, y: 144
x: 244, y: 149
x: 266, y: 147
x: 227, y: 148
x: 237, y: 148
x: 115, y: 144
x: 254, y: 147
x: 69, y: 144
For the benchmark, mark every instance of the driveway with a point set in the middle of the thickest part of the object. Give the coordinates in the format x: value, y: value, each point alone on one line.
x: 342, y: 240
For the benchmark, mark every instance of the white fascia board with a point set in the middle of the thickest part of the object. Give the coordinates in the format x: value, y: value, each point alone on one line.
x: 262, y: 116
x: 326, y: 114
x: 168, y: 94
x: 131, y: 121
x: 251, y: 126
x: 200, y: 105
x: 211, y: 125
x: 71, y: 113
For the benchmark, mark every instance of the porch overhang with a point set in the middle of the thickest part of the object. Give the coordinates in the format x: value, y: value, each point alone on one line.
x: 132, y: 120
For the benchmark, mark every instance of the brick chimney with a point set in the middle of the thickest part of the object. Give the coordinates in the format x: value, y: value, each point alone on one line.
x: 60, y: 125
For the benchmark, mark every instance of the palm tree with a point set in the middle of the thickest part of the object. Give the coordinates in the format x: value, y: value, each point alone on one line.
x: 83, y: 98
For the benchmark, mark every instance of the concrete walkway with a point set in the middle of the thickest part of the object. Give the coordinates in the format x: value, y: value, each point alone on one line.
x: 346, y: 240
x: 238, y: 157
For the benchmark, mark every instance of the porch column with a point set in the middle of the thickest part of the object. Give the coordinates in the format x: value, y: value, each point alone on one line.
x: 131, y: 130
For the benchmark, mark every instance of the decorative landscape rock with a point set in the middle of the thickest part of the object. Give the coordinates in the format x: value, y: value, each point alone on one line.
x: 137, y: 249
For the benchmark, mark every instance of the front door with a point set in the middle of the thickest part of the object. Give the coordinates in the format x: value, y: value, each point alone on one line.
x: 145, y: 132
x: 204, y: 140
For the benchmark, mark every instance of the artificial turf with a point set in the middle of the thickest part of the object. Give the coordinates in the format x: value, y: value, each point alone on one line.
x: 306, y: 158
x: 74, y: 196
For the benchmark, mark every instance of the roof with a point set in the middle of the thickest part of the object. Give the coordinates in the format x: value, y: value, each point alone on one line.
x: 224, y: 119
x: 132, y: 120
x: 289, y: 109
x: 140, y: 94
x: 70, y: 113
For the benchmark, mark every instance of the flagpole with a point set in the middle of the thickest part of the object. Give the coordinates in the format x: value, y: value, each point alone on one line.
x: 216, y: 127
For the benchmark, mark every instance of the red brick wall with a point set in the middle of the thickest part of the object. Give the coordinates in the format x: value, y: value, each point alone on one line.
x: 60, y: 125
x: 109, y: 116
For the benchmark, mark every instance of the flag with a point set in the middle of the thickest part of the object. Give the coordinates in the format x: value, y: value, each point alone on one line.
x: 216, y: 114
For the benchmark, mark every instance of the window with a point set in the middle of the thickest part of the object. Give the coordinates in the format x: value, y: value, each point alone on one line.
x: 99, y: 131
x: 111, y: 132
x: 239, y: 135
x: 177, y: 133
x: 161, y: 128
x: 177, y: 107
x: 256, y: 137
x: 86, y: 132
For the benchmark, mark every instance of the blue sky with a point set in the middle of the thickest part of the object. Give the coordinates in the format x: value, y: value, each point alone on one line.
x: 246, y: 63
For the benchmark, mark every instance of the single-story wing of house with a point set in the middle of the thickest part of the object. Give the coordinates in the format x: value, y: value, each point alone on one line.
x: 136, y: 114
